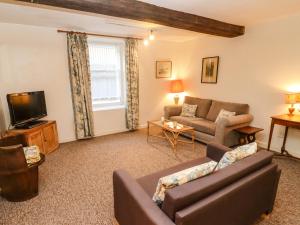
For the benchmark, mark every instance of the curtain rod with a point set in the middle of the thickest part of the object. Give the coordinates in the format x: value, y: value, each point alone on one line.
x: 99, y: 35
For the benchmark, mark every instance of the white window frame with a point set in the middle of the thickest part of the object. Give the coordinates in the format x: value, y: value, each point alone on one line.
x: 120, y: 43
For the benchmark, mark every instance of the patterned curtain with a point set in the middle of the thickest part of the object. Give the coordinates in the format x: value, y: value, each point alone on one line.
x: 80, y: 79
x: 132, y: 78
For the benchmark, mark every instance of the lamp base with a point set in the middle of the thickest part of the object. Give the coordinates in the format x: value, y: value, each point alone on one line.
x: 291, y: 111
x: 176, y: 99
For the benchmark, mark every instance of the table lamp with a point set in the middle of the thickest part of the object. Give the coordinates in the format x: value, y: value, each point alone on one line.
x: 292, y: 99
x: 176, y: 87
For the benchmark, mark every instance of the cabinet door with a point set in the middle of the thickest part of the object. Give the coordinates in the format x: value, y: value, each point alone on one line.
x: 36, y: 138
x: 50, y: 138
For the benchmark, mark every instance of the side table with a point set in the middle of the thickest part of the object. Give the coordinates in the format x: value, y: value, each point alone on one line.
x: 247, y: 134
x: 287, y: 121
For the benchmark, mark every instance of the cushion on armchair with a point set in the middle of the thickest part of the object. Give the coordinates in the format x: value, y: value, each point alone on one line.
x: 32, y: 154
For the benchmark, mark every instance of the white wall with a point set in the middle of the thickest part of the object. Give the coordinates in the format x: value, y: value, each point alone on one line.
x: 257, y: 68
x: 35, y: 58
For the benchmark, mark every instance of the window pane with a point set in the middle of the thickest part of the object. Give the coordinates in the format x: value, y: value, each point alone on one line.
x: 106, y: 62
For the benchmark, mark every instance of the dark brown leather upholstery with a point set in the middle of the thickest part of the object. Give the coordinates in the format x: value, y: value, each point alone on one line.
x: 240, y: 203
x: 239, y: 193
x: 182, y: 196
x: 18, y: 181
x: 132, y: 204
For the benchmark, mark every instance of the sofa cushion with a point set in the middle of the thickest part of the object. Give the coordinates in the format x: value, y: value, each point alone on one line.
x: 149, y: 182
x: 188, y: 110
x: 203, y: 105
x: 199, y: 124
x: 181, y: 177
x: 237, y: 154
x: 185, y: 195
x: 224, y: 114
x: 217, y: 106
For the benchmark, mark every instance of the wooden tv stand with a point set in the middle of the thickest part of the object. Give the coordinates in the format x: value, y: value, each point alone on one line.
x: 44, y: 136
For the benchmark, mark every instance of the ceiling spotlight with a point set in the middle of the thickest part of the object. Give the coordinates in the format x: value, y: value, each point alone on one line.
x: 151, y: 36
x: 146, y: 42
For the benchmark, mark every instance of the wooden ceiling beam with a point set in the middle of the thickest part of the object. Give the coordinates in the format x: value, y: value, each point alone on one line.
x: 141, y: 11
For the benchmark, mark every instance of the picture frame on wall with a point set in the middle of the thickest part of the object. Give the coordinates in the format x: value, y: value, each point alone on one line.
x: 163, y: 69
x: 210, y: 66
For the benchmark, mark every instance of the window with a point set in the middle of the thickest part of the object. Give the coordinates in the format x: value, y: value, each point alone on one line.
x: 107, y: 73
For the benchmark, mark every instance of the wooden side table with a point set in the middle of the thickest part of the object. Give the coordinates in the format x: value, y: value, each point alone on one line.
x: 247, y: 134
x: 287, y: 121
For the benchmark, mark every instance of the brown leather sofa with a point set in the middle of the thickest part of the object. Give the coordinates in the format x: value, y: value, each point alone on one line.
x: 236, y: 195
x: 206, y: 129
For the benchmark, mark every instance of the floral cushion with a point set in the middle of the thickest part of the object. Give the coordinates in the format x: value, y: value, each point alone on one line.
x: 180, y: 178
x: 32, y: 154
x: 224, y: 114
x: 188, y: 110
x: 239, y: 153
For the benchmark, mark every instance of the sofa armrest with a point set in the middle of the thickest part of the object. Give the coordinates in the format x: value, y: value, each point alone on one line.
x: 216, y: 151
x: 226, y: 125
x: 172, y: 110
x: 12, y: 140
x: 132, y: 205
x: 236, y: 120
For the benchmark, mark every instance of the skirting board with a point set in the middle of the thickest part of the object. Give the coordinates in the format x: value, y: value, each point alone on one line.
x: 265, y: 146
x: 104, y: 133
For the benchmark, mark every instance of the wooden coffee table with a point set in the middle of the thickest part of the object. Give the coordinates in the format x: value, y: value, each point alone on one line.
x: 171, y: 133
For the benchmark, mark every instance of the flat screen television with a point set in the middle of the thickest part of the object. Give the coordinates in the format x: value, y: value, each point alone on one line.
x: 27, y: 107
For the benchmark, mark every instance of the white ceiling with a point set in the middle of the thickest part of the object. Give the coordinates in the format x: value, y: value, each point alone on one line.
x: 78, y: 21
x: 241, y: 12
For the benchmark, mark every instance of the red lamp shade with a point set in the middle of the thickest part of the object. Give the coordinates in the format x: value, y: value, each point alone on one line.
x: 176, y: 86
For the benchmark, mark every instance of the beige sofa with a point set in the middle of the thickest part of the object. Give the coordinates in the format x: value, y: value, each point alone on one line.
x: 204, y: 121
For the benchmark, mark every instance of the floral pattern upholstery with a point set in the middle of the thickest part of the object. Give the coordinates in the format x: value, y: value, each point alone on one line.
x: 224, y: 114
x: 180, y: 178
x: 239, y: 153
x: 80, y: 79
x: 188, y: 110
x: 32, y: 154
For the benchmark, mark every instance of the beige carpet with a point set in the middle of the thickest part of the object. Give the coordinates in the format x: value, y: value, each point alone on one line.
x: 76, y: 181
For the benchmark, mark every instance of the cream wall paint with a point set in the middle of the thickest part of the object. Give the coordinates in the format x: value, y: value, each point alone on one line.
x: 257, y: 68
x: 35, y: 58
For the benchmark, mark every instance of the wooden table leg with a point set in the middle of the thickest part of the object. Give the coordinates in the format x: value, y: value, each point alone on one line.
x: 175, y: 139
x: 284, y: 140
x: 148, y: 127
x: 193, y: 139
x: 271, y: 134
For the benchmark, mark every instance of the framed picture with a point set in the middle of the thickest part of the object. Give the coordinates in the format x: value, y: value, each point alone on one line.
x: 210, y: 70
x: 163, y: 69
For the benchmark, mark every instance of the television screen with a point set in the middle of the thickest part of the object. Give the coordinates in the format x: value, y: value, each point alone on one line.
x: 26, y: 107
